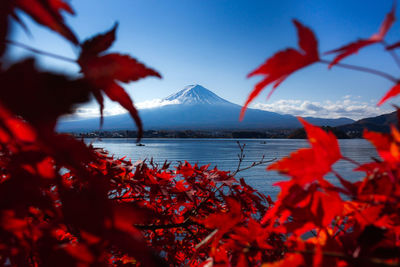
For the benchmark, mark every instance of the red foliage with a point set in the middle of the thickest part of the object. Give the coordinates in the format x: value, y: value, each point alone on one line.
x: 47, y: 13
x: 394, y: 91
x: 64, y: 203
x: 105, y: 71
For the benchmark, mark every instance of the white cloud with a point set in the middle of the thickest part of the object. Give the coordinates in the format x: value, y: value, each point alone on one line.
x: 94, y: 112
x: 349, y: 106
x: 90, y: 112
x: 156, y: 103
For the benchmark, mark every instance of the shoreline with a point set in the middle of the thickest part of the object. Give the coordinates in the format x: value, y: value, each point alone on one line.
x: 218, y: 134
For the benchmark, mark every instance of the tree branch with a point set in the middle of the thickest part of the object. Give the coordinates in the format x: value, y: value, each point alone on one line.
x: 363, y: 69
x: 392, y: 53
x: 40, y: 52
x: 153, y: 227
x: 241, y: 157
x: 351, y: 161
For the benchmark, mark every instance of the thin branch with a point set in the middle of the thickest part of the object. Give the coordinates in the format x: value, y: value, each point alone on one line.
x: 363, y: 69
x: 351, y: 161
x: 205, y: 240
x: 392, y: 53
x: 341, y: 229
x: 313, y: 233
x: 165, y: 226
x: 256, y: 163
x: 241, y: 157
x: 338, y: 175
x: 142, y: 196
x: 37, y: 51
x: 194, y: 211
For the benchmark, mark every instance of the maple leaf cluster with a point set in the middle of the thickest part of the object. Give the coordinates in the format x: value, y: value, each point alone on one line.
x: 65, y: 203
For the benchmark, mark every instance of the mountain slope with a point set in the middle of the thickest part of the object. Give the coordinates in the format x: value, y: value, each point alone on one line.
x: 197, y: 94
x: 378, y: 124
x: 197, y: 108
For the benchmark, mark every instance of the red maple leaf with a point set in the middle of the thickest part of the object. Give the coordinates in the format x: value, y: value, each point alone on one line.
x: 301, y: 165
x: 382, y: 142
x: 309, y: 164
x: 394, y: 91
x: 278, y: 67
x: 106, y: 71
x: 37, y: 89
x: 324, y: 143
x: 354, y: 47
x: 48, y: 13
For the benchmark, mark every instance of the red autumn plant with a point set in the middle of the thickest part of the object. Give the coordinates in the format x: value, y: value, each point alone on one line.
x: 64, y: 203
x: 352, y: 223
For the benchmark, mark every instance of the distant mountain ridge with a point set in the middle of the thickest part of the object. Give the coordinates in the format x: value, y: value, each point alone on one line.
x: 379, y: 123
x: 197, y: 108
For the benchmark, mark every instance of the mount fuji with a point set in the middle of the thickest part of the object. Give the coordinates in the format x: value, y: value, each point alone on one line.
x: 195, y: 95
x: 197, y: 108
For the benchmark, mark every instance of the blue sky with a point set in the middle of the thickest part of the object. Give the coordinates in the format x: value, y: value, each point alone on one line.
x: 216, y: 43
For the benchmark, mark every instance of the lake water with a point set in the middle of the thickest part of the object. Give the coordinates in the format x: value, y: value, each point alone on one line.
x: 223, y: 153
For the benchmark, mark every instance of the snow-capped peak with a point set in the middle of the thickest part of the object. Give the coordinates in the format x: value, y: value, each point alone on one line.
x: 196, y: 94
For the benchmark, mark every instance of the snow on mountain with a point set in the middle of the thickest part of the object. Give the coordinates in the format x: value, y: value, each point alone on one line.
x: 196, y: 94
x: 190, y: 95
